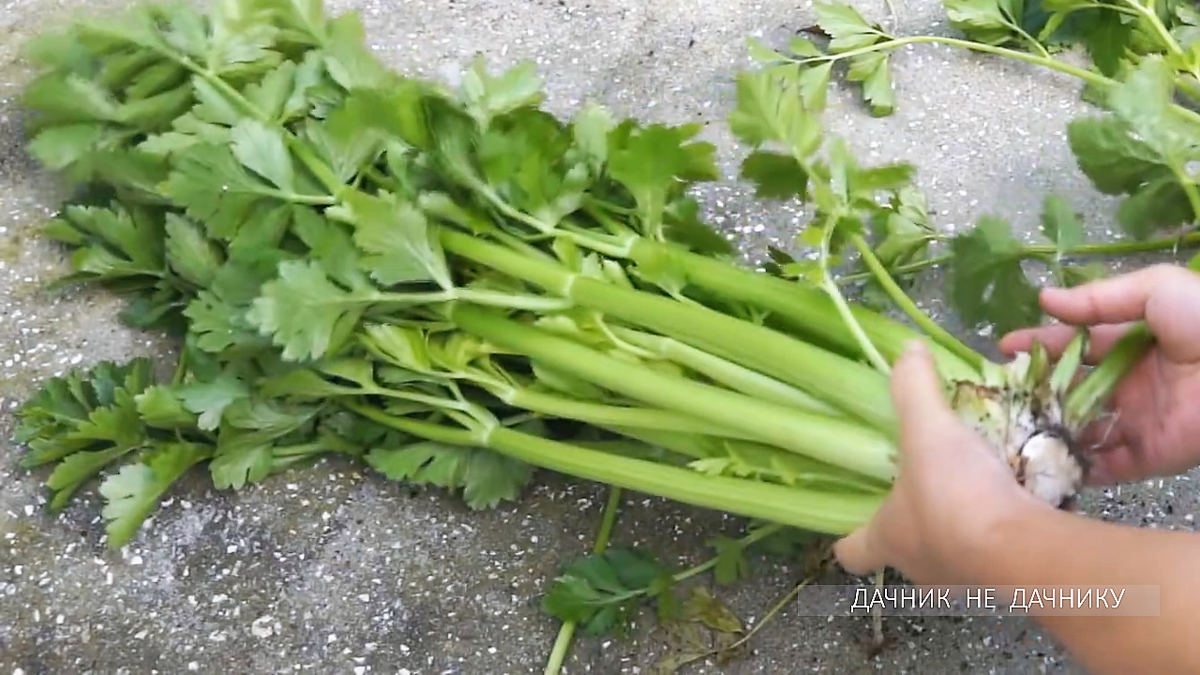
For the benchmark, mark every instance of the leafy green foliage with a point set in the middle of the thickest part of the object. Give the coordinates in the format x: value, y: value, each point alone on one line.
x: 1142, y: 151
x: 134, y: 491
x: 602, y: 592
x: 484, y: 477
x: 989, y: 287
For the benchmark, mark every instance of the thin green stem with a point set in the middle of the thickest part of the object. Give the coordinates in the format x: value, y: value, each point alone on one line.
x: 1151, y: 17
x: 897, y: 295
x: 532, y: 303
x: 1037, y: 59
x: 807, y: 312
x: 566, y: 633
x: 814, y: 510
x: 297, y: 198
x: 427, y: 430
x: 745, y: 542
x: 1111, y: 248
x: 868, y: 348
x: 1093, y: 78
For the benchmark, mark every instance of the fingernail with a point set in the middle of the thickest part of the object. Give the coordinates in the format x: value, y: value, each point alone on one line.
x: 914, y: 347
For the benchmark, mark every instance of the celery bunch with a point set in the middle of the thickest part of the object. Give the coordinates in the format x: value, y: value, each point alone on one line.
x: 456, y: 287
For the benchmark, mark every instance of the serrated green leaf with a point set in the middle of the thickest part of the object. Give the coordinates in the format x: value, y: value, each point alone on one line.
x: 813, y: 83
x: 1060, y: 224
x: 191, y: 255
x: 306, y: 313
x: 775, y: 176
x: 762, y: 53
x: 872, y: 71
x: 210, y: 399
x: 241, y: 459
x: 120, y: 242
x: 804, y: 48
x: 993, y: 22
x: 160, y: 407
x: 906, y: 233
x: 486, y: 96
x: 601, y: 592
x: 74, y: 471
x: 732, y: 564
x: 485, y: 478
x: 402, y: 245
x: 988, y: 285
x: 771, y: 110
x: 58, y: 147
x: 846, y: 26
x: 654, y: 162
x: 262, y: 150
x: 132, y: 494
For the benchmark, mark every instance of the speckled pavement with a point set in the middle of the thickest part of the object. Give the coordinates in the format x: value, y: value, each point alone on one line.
x: 332, y: 571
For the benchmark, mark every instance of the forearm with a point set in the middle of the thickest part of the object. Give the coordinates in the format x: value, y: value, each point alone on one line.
x: 1040, y: 548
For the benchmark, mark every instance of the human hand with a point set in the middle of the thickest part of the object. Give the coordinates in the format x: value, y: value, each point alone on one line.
x: 1155, y: 429
x: 951, y: 495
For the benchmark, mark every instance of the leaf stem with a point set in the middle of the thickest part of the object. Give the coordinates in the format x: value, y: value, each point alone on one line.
x: 894, y: 43
x: 567, y: 632
x: 939, y: 334
x: 1151, y: 17
x: 744, y: 543
x: 1093, y: 78
x: 1112, y: 248
x: 869, y: 350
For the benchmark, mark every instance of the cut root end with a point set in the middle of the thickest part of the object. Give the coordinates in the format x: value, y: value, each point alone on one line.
x: 1019, y: 411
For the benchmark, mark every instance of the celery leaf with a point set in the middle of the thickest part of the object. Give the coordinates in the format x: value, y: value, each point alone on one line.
x: 484, y: 477
x: 603, y: 591
x: 988, y: 285
x: 133, y: 492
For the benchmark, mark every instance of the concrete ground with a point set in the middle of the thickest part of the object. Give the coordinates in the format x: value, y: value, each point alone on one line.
x: 336, y: 572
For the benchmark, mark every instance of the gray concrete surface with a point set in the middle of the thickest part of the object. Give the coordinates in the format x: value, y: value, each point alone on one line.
x: 336, y: 572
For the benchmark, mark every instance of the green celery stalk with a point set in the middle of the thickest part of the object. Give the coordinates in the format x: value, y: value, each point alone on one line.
x: 838, y: 441
x: 808, y: 311
x: 729, y: 374
x: 602, y: 414
x: 851, y: 386
x: 828, y: 512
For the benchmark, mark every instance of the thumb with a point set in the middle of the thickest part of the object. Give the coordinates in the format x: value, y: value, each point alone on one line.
x: 919, y: 395
x: 858, y: 552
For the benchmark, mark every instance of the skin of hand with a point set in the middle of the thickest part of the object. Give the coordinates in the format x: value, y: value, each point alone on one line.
x: 951, y: 490
x: 955, y: 516
x: 1153, y: 428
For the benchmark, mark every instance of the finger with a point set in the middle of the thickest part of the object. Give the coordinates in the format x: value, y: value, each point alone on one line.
x: 1173, y: 315
x: 919, y: 397
x: 857, y: 552
x: 1116, y: 300
x: 1056, y: 338
x: 1115, y: 465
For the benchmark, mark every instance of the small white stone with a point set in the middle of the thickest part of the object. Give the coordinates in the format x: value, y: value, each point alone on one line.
x: 261, y: 627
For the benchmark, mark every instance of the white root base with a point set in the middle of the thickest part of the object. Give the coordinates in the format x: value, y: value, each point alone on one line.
x: 1023, y: 422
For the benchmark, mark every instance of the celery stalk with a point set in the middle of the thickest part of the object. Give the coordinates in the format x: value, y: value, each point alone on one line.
x: 834, y: 440
x: 805, y: 310
x: 833, y: 512
x: 849, y: 385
